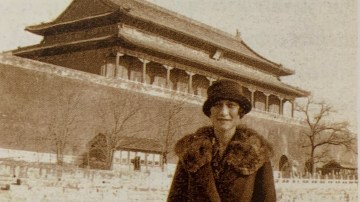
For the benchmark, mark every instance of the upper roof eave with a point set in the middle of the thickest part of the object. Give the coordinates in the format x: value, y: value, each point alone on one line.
x: 217, y: 37
x: 147, y: 11
x: 41, y: 29
x: 281, y: 70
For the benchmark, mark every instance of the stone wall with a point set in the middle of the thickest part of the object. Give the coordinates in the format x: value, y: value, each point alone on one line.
x: 36, y: 95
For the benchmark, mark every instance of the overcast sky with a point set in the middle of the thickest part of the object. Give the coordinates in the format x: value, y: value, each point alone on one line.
x: 316, y: 38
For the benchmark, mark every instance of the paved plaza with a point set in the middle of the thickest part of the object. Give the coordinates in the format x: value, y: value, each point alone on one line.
x: 49, y: 183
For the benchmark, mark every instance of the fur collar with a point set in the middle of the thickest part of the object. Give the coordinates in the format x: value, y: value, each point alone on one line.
x: 246, y: 153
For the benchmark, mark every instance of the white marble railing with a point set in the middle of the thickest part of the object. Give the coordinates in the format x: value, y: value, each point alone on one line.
x: 34, y: 157
x: 159, y: 91
x: 317, y: 182
x: 276, y: 117
x: 10, y: 168
x: 66, y: 183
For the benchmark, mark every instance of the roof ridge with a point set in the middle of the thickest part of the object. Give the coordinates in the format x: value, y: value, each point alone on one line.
x: 74, y: 2
x: 279, y: 65
x: 214, y: 29
x: 196, y: 22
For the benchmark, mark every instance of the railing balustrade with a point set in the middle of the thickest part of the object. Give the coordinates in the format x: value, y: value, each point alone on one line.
x: 66, y: 183
x: 198, y: 99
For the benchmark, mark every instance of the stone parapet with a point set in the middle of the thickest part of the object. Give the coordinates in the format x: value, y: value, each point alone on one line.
x: 126, y: 84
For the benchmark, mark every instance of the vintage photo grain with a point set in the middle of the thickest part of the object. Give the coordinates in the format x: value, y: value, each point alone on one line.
x: 178, y: 100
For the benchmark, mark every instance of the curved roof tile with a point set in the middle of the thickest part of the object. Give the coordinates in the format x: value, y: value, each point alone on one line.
x: 146, y: 11
x: 147, y: 41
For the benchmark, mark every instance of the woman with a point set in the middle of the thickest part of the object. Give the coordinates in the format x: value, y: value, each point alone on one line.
x: 227, y: 161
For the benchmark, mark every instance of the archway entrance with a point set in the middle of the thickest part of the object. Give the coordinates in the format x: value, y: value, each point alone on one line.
x: 284, y: 166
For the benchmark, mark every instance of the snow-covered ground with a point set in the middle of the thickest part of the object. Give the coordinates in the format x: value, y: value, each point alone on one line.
x: 74, y: 184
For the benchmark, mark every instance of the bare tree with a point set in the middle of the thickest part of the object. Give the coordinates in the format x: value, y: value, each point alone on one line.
x: 171, y: 126
x: 321, y: 133
x: 124, y: 116
x: 120, y: 118
x: 174, y: 123
x: 63, y: 122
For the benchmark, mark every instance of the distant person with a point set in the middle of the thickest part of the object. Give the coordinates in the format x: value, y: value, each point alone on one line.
x: 226, y: 161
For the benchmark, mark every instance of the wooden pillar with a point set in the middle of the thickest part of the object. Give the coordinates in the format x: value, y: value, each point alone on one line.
x: 292, y: 108
x: 190, y: 88
x: 117, y: 64
x: 104, y: 69
x: 143, y: 79
x: 120, y: 156
x: 153, y: 160
x: 267, y: 101
x: 129, y: 160
x: 211, y: 80
x: 146, y: 159
x: 252, y: 99
x: 168, y: 69
x: 281, y: 107
x: 161, y: 159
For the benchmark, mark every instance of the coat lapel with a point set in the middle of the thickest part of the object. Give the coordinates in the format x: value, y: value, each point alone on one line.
x: 246, y: 152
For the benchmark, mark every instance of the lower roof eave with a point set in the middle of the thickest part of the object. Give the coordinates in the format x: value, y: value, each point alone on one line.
x: 39, y: 50
x: 133, y: 40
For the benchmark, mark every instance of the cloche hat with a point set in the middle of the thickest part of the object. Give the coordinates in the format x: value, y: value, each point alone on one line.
x: 226, y: 90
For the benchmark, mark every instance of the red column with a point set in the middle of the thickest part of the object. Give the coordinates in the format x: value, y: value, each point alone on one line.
x: 190, y: 88
x: 117, y: 64
x: 144, y: 61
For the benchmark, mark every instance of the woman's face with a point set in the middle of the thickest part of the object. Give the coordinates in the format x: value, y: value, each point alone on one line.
x: 224, y: 115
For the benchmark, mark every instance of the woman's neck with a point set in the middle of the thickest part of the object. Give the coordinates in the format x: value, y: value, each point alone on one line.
x: 224, y: 137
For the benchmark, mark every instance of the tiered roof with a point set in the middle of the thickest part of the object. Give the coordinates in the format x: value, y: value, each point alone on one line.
x: 82, y: 14
x: 81, y: 11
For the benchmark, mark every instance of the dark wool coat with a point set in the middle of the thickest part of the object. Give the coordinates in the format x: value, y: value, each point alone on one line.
x: 242, y: 174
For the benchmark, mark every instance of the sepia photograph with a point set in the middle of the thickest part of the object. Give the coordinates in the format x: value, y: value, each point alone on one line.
x: 178, y: 100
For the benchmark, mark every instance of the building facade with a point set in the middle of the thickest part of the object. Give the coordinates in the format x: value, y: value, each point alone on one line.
x: 145, y: 49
